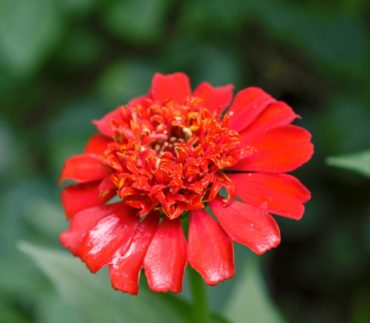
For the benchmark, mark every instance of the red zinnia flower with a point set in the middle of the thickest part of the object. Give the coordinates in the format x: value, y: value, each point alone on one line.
x: 166, y: 155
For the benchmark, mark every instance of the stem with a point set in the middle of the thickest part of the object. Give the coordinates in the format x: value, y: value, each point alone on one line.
x: 199, y: 297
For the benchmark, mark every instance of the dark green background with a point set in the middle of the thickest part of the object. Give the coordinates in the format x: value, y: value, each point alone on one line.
x: 65, y: 62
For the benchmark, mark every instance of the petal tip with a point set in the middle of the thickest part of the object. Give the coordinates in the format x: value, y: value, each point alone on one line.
x: 213, y: 280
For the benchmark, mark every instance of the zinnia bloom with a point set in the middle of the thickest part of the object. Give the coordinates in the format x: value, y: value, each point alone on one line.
x: 165, y: 157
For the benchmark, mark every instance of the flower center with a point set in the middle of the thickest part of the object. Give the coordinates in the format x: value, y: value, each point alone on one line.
x: 170, y: 157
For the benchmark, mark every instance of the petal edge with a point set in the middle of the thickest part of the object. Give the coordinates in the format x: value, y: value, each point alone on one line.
x: 281, y: 194
x: 165, y: 261
x: 171, y: 87
x: 248, y: 225
x: 278, y: 150
x: 247, y: 105
x: 210, y: 249
x: 214, y: 98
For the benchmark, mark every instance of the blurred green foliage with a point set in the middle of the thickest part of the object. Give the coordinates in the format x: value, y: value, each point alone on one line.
x: 66, y: 62
x: 359, y: 162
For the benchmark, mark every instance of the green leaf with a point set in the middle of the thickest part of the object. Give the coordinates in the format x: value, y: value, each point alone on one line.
x: 335, y: 41
x: 123, y: 80
x: 205, y: 58
x: 80, y: 49
x: 343, y: 125
x: 10, y: 150
x: 249, y: 301
x: 136, y: 20
x: 52, y: 309
x: 210, y: 16
x: 358, y: 162
x: 28, y: 31
x: 360, y: 305
x: 92, y: 294
x: 10, y: 314
x: 74, y: 121
x: 76, y: 8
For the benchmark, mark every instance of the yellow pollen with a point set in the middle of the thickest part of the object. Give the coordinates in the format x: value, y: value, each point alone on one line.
x: 187, y: 132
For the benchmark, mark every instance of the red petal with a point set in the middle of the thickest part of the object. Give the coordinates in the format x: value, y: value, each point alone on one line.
x: 281, y: 194
x: 171, y: 87
x: 210, y: 249
x: 107, y: 187
x: 97, y: 145
x: 105, y: 125
x: 127, y: 262
x: 248, y: 104
x: 214, y: 98
x: 76, y: 198
x: 277, y: 114
x: 278, y: 150
x: 110, y: 233
x: 247, y: 225
x: 165, y: 261
x: 81, y: 223
x: 220, y: 181
x: 83, y: 168
x: 141, y: 100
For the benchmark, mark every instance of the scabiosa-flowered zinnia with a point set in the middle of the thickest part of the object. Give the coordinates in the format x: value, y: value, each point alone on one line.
x: 167, y: 155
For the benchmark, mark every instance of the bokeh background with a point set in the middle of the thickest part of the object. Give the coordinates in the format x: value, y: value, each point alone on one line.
x: 66, y: 62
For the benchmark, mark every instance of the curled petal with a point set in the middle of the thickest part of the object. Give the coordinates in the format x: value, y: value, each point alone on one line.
x: 107, y: 187
x: 110, y: 233
x: 210, y: 249
x: 105, y: 125
x: 76, y: 198
x: 171, y: 87
x: 214, y: 98
x: 277, y: 114
x: 128, y: 261
x: 281, y: 194
x: 97, y: 144
x: 247, y: 105
x: 83, y: 168
x: 165, y: 261
x: 279, y: 150
x: 247, y: 225
x: 81, y: 223
x: 220, y: 181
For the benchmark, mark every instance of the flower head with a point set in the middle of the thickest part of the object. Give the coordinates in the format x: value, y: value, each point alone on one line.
x: 166, y: 156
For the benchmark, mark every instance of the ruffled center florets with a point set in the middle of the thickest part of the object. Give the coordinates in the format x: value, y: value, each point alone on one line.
x: 170, y: 157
